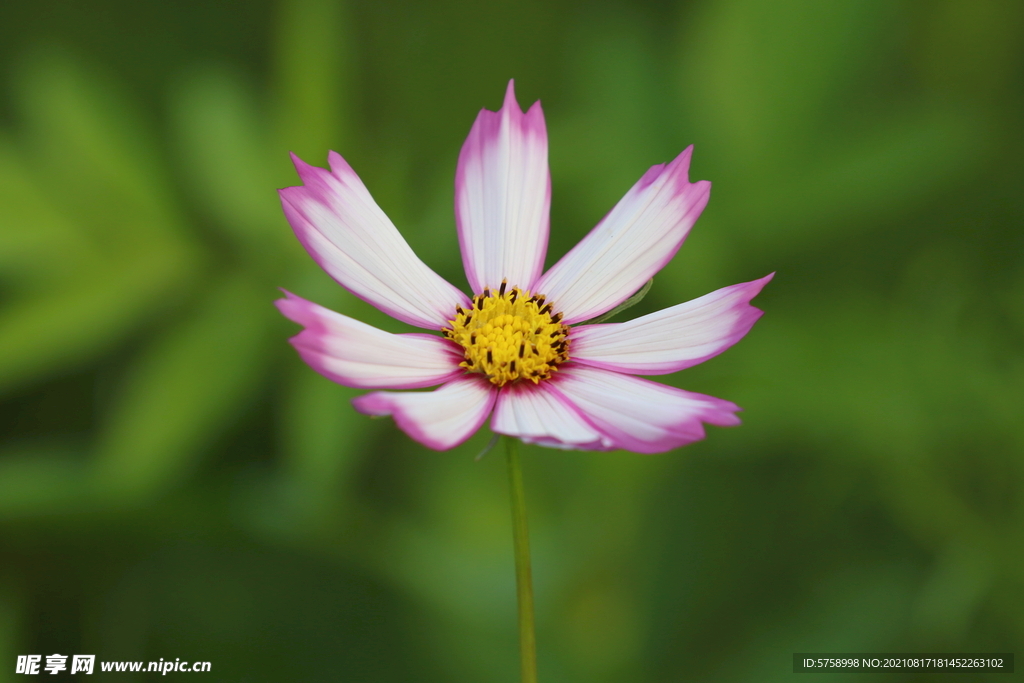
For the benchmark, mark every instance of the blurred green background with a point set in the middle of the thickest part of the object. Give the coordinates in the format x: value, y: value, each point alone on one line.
x: 174, y: 482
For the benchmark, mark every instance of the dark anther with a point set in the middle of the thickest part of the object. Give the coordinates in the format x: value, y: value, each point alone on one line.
x: 512, y: 367
x: 469, y: 361
x: 545, y: 309
x: 537, y: 331
x: 490, y: 358
x: 522, y: 348
x: 557, y: 317
x: 486, y: 294
x: 555, y: 333
x: 458, y: 309
x: 501, y: 292
x: 472, y: 338
x: 514, y: 295
x: 468, y: 318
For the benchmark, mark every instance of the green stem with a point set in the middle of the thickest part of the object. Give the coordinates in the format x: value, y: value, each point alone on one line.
x: 524, y: 581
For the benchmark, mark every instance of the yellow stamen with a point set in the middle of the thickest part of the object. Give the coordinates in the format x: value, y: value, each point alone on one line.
x: 509, y: 335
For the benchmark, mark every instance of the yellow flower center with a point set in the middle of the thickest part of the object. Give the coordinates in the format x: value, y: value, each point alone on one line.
x: 509, y: 335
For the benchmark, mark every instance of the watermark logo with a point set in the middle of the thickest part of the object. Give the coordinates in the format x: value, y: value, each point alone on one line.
x: 85, y: 664
x: 28, y: 664
x: 82, y: 664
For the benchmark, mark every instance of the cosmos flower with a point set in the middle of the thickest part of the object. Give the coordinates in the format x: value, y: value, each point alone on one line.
x: 511, y: 351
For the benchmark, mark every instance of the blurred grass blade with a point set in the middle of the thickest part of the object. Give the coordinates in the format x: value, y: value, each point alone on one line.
x: 101, y: 249
x: 312, y: 75
x: 227, y: 160
x: 761, y: 74
x: 903, y: 159
x: 50, y: 331
x: 186, y: 389
x: 32, y: 231
x: 323, y: 440
x: 42, y: 481
x: 98, y: 158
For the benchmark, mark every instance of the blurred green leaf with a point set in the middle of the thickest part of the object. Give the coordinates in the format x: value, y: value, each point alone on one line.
x: 185, y: 389
x: 11, y: 641
x: 951, y: 596
x: 95, y: 156
x: 765, y: 84
x: 860, y: 609
x: 312, y: 76
x: 101, y: 248
x: 763, y: 75
x: 47, y: 331
x: 33, y: 231
x: 227, y: 162
x: 42, y: 481
x: 323, y: 441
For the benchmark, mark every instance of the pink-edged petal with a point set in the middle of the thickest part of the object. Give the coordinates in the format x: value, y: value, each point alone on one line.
x: 639, y: 415
x: 358, y: 355
x: 673, y: 338
x: 633, y: 242
x: 538, y: 415
x: 344, y: 230
x: 503, y: 196
x: 439, y: 419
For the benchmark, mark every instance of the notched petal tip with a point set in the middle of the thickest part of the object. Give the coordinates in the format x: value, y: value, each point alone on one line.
x: 678, y: 168
x: 301, y: 167
x: 312, y: 178
x: 531, y: 121
x: 291, y: 306
x: 683, y: 160
x: 354, y: 354
x: 503, y: 195
x: 750, y: 290
x: 673, y: 338
x: 643, y: 416
x: 635, y: 240
x: 339, y: 167
x: 347, y: 234
x: 510, y: 95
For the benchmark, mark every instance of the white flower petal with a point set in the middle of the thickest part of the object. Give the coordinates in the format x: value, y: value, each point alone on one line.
x: 673, y: 338
x: 632, y: 243
x: 639, y: 415
x: 537, y: 415
x: 358, y: 355
x: 344, y: 230
x: 503, y: 196
x: 439, y: 419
